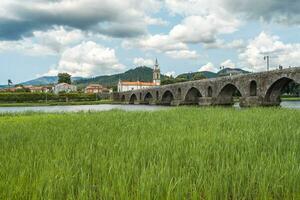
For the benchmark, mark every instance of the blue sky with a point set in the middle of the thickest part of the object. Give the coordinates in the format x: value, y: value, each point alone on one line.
x: 98, y: 37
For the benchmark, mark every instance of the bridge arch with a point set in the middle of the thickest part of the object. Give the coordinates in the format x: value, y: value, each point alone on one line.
x: 209, y: 91
x: 167, y: 98
x: 253, y: 88
x: 226, y: 94
x: 157, y: 95
x: 179, y: 93
x: 133, y: 99
x: 192, y: 96
x: 123, y: 98
x: 148, y: 98
x: 274, y: 92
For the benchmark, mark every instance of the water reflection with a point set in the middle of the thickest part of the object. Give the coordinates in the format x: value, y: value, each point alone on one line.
x: 85, y: 108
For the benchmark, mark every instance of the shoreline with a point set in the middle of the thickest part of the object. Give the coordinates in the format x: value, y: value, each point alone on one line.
x: 34, y: 104
x: 78, y: 103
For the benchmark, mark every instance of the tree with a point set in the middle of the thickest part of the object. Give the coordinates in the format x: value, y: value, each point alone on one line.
x: 198, y: 76
x: 64, y: 78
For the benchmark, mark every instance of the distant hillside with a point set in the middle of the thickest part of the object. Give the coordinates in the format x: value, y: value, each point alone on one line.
x: 46, y: 80
x: 232, y: 71
x: 137, y: 74
x: 206, y: 74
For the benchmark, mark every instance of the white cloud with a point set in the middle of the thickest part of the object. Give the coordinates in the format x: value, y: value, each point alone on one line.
x: 266, y: 44
x: 171, y: 73
x: 58, y: 38
x: 221, y: 44
x: 155, y: 21
x: 88, y: 59
x: 285, y: 12
x: 183, y: 54
x: 208, y: 67
x: 25, y: 46
x: 204, y: 29
x: 158, y: 43
x: 50, y: 42
x: 126, y: 18
x: 228, y: 64
x: 143, y: 62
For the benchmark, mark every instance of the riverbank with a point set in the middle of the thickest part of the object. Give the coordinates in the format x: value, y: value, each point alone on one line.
x: 70, y: 103
x: 179, y: 153
x: 290, y: 99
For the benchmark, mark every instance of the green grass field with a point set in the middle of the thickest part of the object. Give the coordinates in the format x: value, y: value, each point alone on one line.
x: 181, y: 153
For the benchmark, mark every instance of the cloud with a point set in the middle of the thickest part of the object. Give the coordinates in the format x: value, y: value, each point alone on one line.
x: 266, y: 44
x: 143, y: 62
x: 203, y: 29
x: 283, y: 12
x: 115, y: 18
x: 88, y: 59
x: 158, y: 43
x: 170, y: 74
x: 183, y: 54
x: 162, y: 44
x: 208, y: 67
x: 49, y: 42
x: 228, y: 64
x: 25, y: 46
x: 221, y: 44
x: 155, y: 21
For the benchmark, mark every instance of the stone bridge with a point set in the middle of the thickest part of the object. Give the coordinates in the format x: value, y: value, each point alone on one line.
x: 255, y: 89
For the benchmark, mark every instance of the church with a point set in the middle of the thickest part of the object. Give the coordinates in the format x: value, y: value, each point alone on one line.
x: 124, y: 86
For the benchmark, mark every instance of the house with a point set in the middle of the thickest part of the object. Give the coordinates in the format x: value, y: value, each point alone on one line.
x: 124, y: 86
x: 64, y: 87
x: 34, y: 89
x: 93, y: 89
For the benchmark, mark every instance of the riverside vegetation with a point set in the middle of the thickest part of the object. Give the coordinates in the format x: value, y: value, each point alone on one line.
x: 180, y: 153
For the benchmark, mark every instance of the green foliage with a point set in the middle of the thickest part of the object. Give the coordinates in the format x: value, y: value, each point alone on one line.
x: 292, y: 89
x: 138, y: 74
x: 167, y: 81
x: 64, y: 78
x: 37, y: 97
x: 182, y: 153
x: 198, y: 76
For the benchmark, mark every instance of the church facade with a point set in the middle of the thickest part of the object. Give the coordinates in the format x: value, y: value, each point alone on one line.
x: 124, y: 86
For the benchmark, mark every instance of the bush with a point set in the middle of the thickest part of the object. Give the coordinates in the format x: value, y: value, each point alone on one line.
x: 38, y: 97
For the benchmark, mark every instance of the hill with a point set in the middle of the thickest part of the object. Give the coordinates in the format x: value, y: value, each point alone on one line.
x: 232, y: 71
x: 46, y: 80
x: 137, y: 74
x: 206, y: 74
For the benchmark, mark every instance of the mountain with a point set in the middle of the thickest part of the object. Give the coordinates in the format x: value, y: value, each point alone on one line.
x: 206, y: 74
x: 138, y: 74
x: 46, y: 80
x: 232, y: 71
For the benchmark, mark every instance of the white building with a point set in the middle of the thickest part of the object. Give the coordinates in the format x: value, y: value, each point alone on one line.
x: 64, y: 87
x: 124, y: 86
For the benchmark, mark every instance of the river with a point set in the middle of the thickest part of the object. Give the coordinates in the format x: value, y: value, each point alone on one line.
x: 106, y: 107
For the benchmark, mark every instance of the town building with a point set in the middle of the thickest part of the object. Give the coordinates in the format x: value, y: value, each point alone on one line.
x: 93, y: 89
x: 124, y: 86
x: 64, y: 87
x: 96, y: 89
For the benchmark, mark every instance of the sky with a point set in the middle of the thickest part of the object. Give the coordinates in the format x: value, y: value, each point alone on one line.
x: 89, y: 38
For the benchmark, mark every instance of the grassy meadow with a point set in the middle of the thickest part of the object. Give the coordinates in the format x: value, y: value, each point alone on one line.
x: 181, y: 153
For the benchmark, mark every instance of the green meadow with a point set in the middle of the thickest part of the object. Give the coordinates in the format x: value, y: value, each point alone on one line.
x: 180, y: 153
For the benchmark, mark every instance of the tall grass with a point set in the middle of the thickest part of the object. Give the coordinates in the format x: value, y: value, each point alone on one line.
x: 182, y: 153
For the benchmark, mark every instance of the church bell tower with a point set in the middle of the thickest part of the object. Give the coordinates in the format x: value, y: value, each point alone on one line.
x: 156, y: 73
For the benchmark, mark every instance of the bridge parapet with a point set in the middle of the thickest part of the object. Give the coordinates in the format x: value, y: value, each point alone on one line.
x: 254, y: 89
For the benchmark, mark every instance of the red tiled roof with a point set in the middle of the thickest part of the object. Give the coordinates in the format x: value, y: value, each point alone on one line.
x: 138, y: 83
